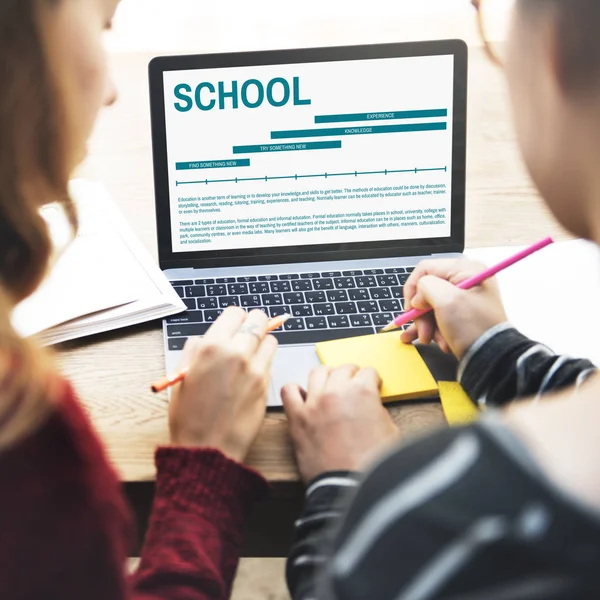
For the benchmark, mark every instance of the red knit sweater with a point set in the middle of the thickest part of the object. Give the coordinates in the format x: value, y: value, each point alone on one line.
x: 65, y: 529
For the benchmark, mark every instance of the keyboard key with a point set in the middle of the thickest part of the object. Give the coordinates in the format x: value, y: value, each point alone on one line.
x: 346, y: 308
x: 205, y: 303
x: 225, y: 301
x: 402, y: 279
x: 187, y: 330
x: 373, y: 271
x: 190, y: 303
x: 324, y: 309
x: 212, y: 315
x: 194, y: 291
x: 263, y: 308
x: 337, y: 296
x: 410, y: 269
x: 387, y: 280
x: 312, y: 336
x: 237, y: 289
x: 177, y: 343
x: 338, y: 322
x: 262, y: 287
x: 276, y: 311
x: 366, y: 281
x: 310, y: 275
x: 323, y: 284
x: 302, y: 310
x: 245, y: 279
x: 329, y: 274
x: 351, y: 273
x: 316, y: 323
x: 226, y: 280
x: 396, y: 270
x: 367, y: 307
x: 216, y: 290
x: 397, y: 292
x: 302, y: 285
x: 250, y: 301
x: 268, y: 277
x: 313, y: 297
x: 182, y: 283
x: 180, y: 292
x: 280, y: 286
x: 343, y: 283
x: 191, y: 316
x: 272, y: 300
x: 390, y: 305
x: 294, y: 325
x: 380, y: 293
x: 381, y: 319
x: 290, y: 276
x: 360, y: 321
x: 294, y: 298
x: 204, y: 281
x: 360, y: 294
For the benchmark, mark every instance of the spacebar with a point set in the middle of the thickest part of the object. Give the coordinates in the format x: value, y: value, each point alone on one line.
x: 320, y: 335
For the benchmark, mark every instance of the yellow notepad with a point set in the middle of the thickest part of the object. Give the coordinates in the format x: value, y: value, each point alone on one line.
x: 404, y: 374
x: 459, y: 409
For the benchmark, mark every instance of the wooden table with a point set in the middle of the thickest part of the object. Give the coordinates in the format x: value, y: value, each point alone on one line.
x: 111, y: 372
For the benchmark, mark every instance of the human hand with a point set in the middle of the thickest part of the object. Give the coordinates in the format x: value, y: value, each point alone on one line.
x: 221, y: 402
x: 339, y: 423
x: 459, y: 317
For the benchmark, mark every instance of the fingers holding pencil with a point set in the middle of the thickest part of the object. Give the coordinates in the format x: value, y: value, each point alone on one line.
x: 444, y: 270
x: 222, y: 398
x: 458, y: 317
x: 243, y: 331
x: 251, y: 333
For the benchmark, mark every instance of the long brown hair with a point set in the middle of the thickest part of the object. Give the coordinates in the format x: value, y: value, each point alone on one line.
x: 32, y: 172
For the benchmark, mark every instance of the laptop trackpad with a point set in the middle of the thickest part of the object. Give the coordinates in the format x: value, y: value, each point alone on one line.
x: 291, y: 364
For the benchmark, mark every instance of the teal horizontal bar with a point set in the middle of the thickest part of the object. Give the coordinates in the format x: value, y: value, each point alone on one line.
x: 383, y: 116
x: 212, y: 164
x: 287, y: 147
x: 278, y: 135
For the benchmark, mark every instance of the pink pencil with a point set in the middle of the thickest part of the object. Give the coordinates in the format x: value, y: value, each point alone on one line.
x: 413, y: 314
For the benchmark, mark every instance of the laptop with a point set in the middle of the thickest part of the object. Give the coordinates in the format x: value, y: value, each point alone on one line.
x: 308, y: 182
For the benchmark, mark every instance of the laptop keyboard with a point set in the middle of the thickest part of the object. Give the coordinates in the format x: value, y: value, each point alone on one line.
x: 324, y: 305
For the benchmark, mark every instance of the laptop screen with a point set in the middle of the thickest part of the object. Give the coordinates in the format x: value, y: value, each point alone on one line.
x: 308, y: 154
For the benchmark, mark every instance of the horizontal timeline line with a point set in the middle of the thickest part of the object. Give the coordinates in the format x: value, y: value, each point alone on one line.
x: 312, y: 175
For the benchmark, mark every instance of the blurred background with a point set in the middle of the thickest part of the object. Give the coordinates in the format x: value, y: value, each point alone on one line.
x: 192, y: 25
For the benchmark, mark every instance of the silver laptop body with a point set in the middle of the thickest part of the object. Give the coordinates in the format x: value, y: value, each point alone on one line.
x: 307, y: 181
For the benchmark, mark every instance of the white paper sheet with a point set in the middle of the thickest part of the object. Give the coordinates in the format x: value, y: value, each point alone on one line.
x: 104, y: 279
x: 554, y: 295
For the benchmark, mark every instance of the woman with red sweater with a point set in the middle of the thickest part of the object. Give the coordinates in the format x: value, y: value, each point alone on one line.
x: 64, y: 527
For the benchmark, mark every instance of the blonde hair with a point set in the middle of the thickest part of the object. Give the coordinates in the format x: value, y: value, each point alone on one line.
x: 33, y: 171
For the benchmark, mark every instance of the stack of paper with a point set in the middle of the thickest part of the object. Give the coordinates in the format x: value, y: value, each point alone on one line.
x: 105, y: 279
